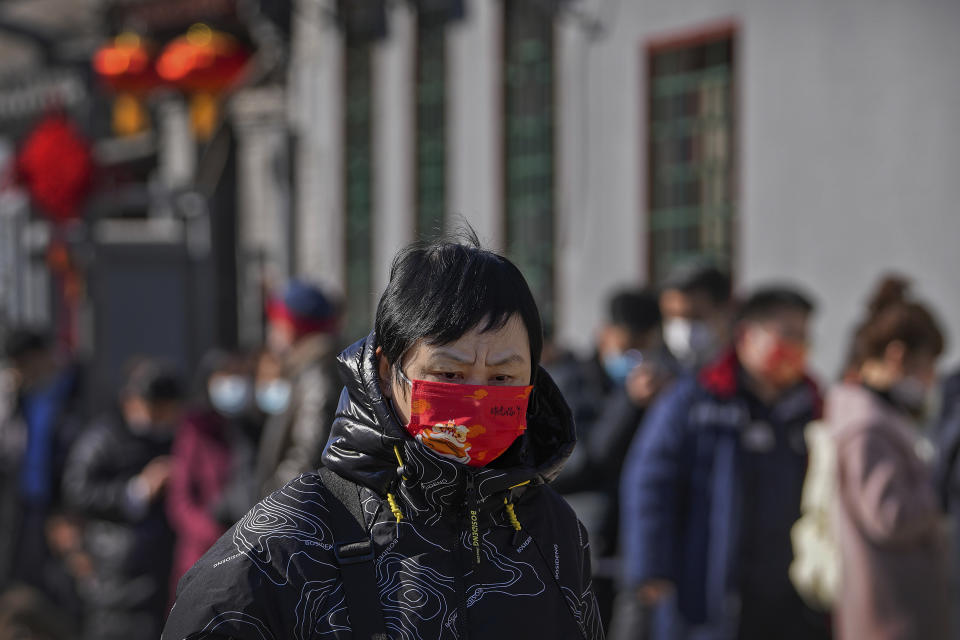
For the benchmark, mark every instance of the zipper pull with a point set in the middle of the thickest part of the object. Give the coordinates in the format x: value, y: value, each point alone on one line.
x: 473, y: 516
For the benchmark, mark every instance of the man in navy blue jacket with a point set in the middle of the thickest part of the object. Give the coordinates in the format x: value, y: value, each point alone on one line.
x: 711, y: 486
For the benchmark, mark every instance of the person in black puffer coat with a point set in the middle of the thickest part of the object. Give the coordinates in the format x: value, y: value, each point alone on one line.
x: 461, y: 536
x: 115, y: 479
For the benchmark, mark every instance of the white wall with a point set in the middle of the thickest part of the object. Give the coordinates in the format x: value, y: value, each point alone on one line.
x: 852, y: 143
x: 474, y: 117
x: 393, y: 143
x: 316, y: 114
x: 849, y: 151
x: 849, y: 147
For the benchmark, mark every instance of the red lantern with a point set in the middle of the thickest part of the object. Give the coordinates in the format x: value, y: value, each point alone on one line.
x: 204, y: 60
x: 55, y: 165
x: 125, y: 65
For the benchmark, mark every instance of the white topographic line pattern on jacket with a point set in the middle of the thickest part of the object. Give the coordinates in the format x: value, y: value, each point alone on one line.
x: 416, y: 599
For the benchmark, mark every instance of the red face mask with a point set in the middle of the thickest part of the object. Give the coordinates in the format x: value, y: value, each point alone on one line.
x: 786, y: 363
x: 472, y: 424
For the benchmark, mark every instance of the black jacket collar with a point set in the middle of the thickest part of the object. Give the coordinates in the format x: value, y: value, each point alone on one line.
x: 365, y: 432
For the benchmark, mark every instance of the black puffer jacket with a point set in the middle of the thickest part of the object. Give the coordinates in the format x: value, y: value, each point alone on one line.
x: 130, y: 543
x: 273, y: 575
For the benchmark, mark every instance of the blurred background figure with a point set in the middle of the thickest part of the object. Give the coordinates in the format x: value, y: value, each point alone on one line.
x: 213, y: 458
x: 38, y: 424
x: 711, y: 486
x: 116, y: 478
x: 947, y: 435
x: 608, y: 394
x: 697, y: 309
x: 302, y: 336
x: 889, y: 525
x: 25, y: 614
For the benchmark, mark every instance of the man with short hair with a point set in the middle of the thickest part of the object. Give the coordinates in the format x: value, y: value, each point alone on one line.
x: 697, y: 309
x: 433, y: 516
x: 711, y: 487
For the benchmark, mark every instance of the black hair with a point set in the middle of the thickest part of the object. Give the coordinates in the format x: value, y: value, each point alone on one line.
x: 766, y: 302
x: 153, y: 382
x: 637, y: 310
x: 22, y: 342
x: 697, y: 277
x: 440, y: 290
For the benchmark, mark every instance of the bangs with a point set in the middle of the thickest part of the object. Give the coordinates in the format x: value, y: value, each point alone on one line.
x: 438, y: 292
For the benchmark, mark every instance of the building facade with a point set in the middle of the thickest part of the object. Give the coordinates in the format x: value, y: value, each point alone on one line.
x: 598, y: 142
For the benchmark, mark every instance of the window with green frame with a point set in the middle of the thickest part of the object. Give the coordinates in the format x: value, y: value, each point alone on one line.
x: 431, y: 131
x: 358, y: 163
x: 691, y: 153
x: 529, y: 162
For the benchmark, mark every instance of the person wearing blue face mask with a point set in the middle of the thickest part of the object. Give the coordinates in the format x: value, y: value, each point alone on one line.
x: 211, y: 481
x: 273, y: 390
x: 608, y: 394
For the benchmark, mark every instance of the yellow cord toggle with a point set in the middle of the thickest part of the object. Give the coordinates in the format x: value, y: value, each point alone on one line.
x: 512, y: 514
x: 394, y: 507
x: 391, y: 499
x: 396, y: 452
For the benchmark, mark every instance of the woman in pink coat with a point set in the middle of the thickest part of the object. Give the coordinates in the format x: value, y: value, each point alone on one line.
x: 211, y: 479
x: 888, y: 523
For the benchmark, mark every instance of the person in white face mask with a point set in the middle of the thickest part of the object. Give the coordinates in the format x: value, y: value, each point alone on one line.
x: 696, y: 305
x: 212, y: 462
x: 888, y: 522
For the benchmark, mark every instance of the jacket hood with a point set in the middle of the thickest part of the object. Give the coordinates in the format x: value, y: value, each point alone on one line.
x: 366, y: 431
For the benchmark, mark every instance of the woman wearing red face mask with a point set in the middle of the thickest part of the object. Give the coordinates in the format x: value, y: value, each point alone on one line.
x: 433, y: 516
x: 889, y: 528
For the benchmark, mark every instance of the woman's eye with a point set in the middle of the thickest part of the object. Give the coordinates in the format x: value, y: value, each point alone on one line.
x: 449, y: 375
x: 501, y: 378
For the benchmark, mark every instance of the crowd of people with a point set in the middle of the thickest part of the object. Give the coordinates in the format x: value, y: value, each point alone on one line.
x: 721, y: 492
x: 101, y: 517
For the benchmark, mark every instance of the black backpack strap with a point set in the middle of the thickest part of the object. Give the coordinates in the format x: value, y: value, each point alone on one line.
x: 354, y: 552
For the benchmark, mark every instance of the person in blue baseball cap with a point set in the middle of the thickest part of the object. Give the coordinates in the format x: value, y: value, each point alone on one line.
x: 303, y: 323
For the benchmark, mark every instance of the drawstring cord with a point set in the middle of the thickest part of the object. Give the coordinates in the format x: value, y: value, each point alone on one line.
x: 507, y: 503
x: 391, y: 499
x: 512, y: 514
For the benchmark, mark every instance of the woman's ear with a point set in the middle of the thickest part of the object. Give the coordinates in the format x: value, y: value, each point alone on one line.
x: 383, y: 373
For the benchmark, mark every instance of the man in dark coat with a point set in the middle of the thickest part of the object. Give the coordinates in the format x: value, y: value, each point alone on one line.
x: 115, y: 479
x: 446, y: 438
x: 711, y: 486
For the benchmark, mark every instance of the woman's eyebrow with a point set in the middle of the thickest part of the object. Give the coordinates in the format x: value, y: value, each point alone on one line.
x: 449, y: 354
x: 513, y: 358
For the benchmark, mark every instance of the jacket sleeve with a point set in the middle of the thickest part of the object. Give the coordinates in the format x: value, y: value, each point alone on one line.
x: 90, y: 488
x: 612, y: 435
x: 187, y: 516
x: 890, y: 504
x: 651, y: 490
x: 592, y: 624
